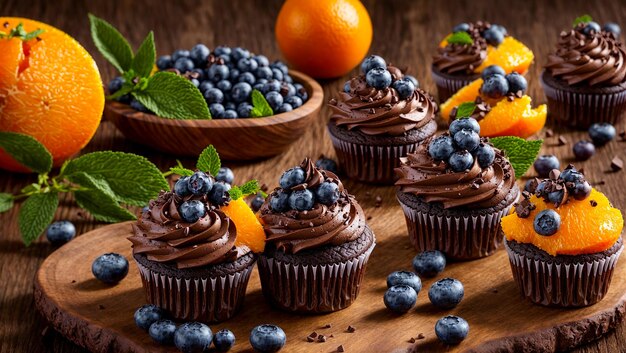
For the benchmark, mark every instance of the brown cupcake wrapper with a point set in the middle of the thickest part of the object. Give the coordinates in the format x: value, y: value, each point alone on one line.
x: 312, y: 288
x: 212, y: 299
x: 562, y: 285
x: 447, y: 86
x: 460, y: 238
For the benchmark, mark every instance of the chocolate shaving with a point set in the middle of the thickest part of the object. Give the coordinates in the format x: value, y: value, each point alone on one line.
x: 421, y: 336
x: 593, y: 203
x: 412, y: 340
x: 313, y: 334
x: 554, y: 174
x: 351, y: 329
x: 100, y: 306
x: 310, y: 339
x: 562, y: 141
x: 328, y: 326
x: 321, y: 338
x: 549, y: 133
x: 341, y: 349
x: 617, y: 164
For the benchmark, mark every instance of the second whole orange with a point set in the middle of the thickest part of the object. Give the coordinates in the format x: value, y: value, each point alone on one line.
x: 324, y: 38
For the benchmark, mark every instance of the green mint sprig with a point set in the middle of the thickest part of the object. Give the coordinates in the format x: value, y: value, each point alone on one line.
x: 582, y: 19
x: 20, y: 32
x: 260, y: 107
x: 460, y: 38
x: 100, y: 183
x: 166, y: 94
x: 521, y: 153
x: 249, y: 188
x: 465, y: 110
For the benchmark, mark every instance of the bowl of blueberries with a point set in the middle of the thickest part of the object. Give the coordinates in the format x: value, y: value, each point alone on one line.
x: 226, y: 77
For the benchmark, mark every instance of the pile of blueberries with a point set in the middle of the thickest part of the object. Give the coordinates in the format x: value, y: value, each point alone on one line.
x: 376, y: 74
x: 447, y: 293
x: 462, y: 145
x: 593, y: 27
x: 494, y: 34
x: 497, y: 84
x: 199, y: 184
x: 192, y: 337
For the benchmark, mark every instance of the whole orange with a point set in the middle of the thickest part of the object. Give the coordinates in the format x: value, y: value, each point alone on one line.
x: 324, y: 38
x: 50, y: 89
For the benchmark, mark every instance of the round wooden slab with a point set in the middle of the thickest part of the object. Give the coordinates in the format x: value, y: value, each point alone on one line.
x: 100, y: 317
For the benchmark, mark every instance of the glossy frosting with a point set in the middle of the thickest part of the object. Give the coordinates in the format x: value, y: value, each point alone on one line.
x: 463, y: 58
x: 595, y: 59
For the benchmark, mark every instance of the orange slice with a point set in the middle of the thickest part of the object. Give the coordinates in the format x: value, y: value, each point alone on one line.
x: 249, y: 229
x: 511, y: 55
x: 516, y: 118
x: 465, y: 94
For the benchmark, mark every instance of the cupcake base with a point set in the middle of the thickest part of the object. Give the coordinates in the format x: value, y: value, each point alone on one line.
x: 579, y: 107
x: 209, y: 294
x: 316, y: 281
x: 563, y: 280
x: 371, y: 158
x: 462, y: 234
x: 448, y: 85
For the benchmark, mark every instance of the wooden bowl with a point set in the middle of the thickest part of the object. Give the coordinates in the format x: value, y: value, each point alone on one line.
x: 234, y: 139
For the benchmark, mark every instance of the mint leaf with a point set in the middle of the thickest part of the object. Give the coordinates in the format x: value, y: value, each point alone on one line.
x: 260, y: 106
x: 36, y: 214
x: 6, y: 201
x: 98, y: 198
x: 32, y: 35
x: 460, y: 38
x: 521, y: 153
x: 209, y: 161
x: 143, y: 62
x: 133, y: 179
x: 181, y: 171
x: 171, y: 96
x: 250, y: 187
x: 582, y: 19
x: 465, y: 110
x: 235, y: 193
x: 27, y: 151
x: 20, y: 32
x: 111, y: 44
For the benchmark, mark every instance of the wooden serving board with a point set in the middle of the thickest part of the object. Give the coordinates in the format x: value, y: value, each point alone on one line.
x: 100, y: 317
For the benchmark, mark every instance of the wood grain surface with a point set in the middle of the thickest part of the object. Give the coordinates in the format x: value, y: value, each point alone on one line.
x: 406, y: 33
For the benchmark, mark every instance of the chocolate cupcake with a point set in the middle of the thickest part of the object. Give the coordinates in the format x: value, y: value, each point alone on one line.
x: 585, y: 79
x: 380, y: 116
x: 317, y: 245
x: 563, y: 241
x: 453, y: 199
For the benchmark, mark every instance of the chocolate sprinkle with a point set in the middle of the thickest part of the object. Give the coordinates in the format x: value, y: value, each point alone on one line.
x: 321, y: 338
x: 328, y: 326
x: 562, y: 141
x: 617, y: 164
x: 351, y: 329
x: 341, y: 349
x: 412, y: 340
x: 310, y: 339
x: 593, y: 203
x: 421, y: 336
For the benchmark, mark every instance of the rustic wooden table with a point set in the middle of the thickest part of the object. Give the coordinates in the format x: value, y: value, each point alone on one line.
x: 406, y: 33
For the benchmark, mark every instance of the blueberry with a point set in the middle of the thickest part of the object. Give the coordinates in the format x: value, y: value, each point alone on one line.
x: 327, y: 164
x: 295, y: 101
x: 116, y: 84
x: 224, y: 86
x: 239, y: 53
x: 227, y: 60
x: 429, y: 263
x: 162, y: 332
x: 180, y: 54
x: 556, y: 197
x: 292, y: 177
x: 223, y: 340
x: 222, y: 50
x: 495, y: 86
x: 346, y: 87
x: 290, y: 90
x: 529, y: 186
x: 277, y: 74
x: 412, y: 79
x: 279, y: 201
x: 126, y: 99
x: 446, y: 293
x: 195, y: 82
x: 200, y: 183
x: 378, y: 78
x: 244, y: 110
x: 591, y: 27
x: 485, y: 155
x: 581, y: 190
x: 257, y: 202
x: 301, y: 200
x: 286, y: 107
x: 218, y: 195
x: 59, y: 233
x: 400, y: 298
x: 199, y: 54
x: 205, y: 86
x: 583, y: 150
x: 226, y: 175
x: 147, y: 315
x: 547, y: 222
x: 327, y: 193
x: 181, y: 188
x: 492, y: 70
x: 264, y: 72
x: 464, y: 124
x: 217, y: 72
x: 164, y: 62
x: 199, y: 73
x: 613, y: 28
x: 229, y: 114
x: 461, y: 27
x: 493, y: 36
x: 405, y: 277
x: 571, y: 175
x: 241, y: 92
x: 138, y: 106
x: 500, y: 28
x: 280, y: 66
x: 301, y: 92
x: 230, y: 106
x: 404, y: 87
x: 601, y: 133
x: 274, y: 99
x: 460, y: 161
x: 247, y: 65
x: 216, y: 109
x: 371, y: 62
x: 261, y: 60
x: 193, y: 337
x: 233, y: 74
x: 540, y: 187
x: 110, y: 268
x: 441, y: 148
x: 451, y: 330
x: 258, y: 86
x: 267, y: 338
x: 271, y: 86
x: 214, y: 95
x: 247, y: 77
x: 467, y: 140
x: 545, y: 163
x: 191, y: 211
x: 516, y: 82
x: 183, y: 65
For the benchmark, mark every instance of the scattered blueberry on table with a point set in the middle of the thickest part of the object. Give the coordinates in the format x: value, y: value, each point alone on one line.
x: 400, y: 298
x: 193, y: 337
x: 429, y: 263
x: 162, y: 332
x: 110, y: 268
x: 59, y: 233
x: 583, y: 150
x: 148, y: 314
x: 451, y: 330
x: 267, y: 338
x: 446, y: 293
x: 405, y: 277
x: 602, y: 133
x: 223, y: 340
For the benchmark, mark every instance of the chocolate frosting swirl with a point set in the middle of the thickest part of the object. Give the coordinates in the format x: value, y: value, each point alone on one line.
x: 378, y: 112
x: 477, y: 188
x: 463, y: 58
x: 294, y: 231
x: 162, y: 234
x: 595, y: 59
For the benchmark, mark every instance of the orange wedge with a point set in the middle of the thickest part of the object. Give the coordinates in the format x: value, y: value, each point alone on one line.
x: 249, y: 229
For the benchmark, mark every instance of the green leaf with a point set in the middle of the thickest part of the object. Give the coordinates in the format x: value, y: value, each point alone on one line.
x: 250, y: 187
x: 209, y: 161
x: 465, y: 110
x: 98, y: 198
x: 181, y: 171
x: 171, y: 96
x: 235, y: 193
x: 143, y: 62
x: 32, y: 35
x: 133, y: 179
x: 582, y: 19
x: 6, y: 201
x: 521, y: 153
x: 20, y: 32
x: 460, y: 38
x: 111, y: 44
x: 27, y: 151
x: 36, y: 214
x: 260, y: 106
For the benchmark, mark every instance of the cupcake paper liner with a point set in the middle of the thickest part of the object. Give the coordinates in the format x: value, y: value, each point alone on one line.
x: 562, y: 285
x: 312, y: 288
x: 447, y: 86
x: 202, y: 299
